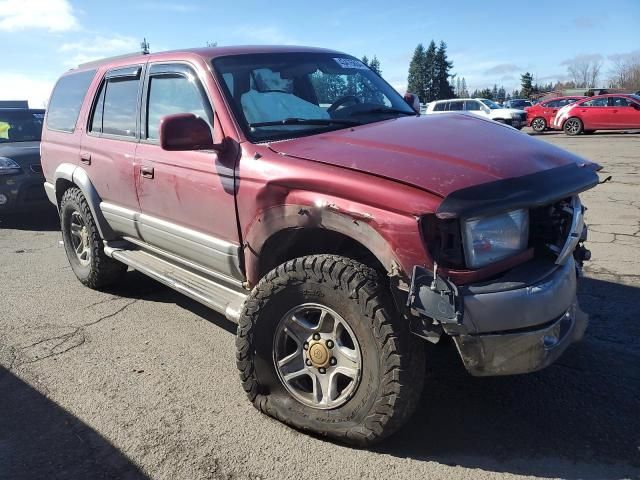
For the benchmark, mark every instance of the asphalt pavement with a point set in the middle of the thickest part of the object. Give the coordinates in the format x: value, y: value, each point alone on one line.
x: 140, y: 381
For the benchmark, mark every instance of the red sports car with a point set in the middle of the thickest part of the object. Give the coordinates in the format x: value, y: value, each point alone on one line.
x: 602, y: 112
x: 540, y: 116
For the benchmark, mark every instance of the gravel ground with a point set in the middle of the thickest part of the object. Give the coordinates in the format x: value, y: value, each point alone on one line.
x: 140, y: 382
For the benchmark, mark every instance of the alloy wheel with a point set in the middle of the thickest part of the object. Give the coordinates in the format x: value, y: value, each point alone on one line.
x: 80, y: 238
x: 317, y: 356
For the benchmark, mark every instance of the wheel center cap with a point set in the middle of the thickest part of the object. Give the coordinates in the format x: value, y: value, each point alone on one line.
x: 319, y: 355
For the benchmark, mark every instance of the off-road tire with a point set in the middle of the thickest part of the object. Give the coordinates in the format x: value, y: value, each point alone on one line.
x: 393, y: 359
x: 101, y: 271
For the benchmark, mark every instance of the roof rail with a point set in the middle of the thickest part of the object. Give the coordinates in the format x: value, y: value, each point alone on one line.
x: 102, y: 61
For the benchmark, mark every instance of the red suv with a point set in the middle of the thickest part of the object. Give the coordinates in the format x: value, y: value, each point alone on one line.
x: 602, y: 112
x: 540, y: 116
x: 294, y: 191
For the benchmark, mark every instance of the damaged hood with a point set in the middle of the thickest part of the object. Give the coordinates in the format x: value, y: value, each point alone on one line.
x: 437, y: 153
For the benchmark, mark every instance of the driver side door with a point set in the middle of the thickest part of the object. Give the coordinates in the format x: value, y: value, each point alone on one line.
x: 187, y: 198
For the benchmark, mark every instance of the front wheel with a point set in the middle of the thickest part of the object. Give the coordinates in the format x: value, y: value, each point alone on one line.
x: 321, y: 347
x: 539, y: 124
x: 573, y: 126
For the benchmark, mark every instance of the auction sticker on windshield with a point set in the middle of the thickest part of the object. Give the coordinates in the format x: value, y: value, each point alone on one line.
x: 350, y: 63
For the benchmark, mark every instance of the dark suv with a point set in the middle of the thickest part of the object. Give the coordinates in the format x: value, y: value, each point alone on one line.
x: 20, y: 170
x: 296, y: 192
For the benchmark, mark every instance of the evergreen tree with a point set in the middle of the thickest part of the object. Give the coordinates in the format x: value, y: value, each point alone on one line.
x: 365, y: 60
x: 458, y: 88
x: 465, y: 92
x: 430, y: 83
x: 374, y: 65
x: 502, y: 94
x: 416, y: 78
x: 441, y: 86
x: 494, y: 92
x: 526, y: 80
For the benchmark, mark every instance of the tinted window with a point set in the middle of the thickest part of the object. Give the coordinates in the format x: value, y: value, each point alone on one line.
x: 596, y: 102
x: 620, y: 102
x: 440, y: 107
x: 554, y: 103
x: 66, y: 100
x: 171, y: 94
x: 116, y: 108
x: 471, y: 105
x: 456, y: 106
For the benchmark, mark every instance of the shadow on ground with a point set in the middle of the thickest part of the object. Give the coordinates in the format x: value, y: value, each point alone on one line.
x: 45, y: 219
x: 579, y: 418
x: 41, y: 440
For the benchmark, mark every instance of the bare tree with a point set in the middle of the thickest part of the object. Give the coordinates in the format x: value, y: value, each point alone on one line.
x: 625, y: 71
x: 584, y: 70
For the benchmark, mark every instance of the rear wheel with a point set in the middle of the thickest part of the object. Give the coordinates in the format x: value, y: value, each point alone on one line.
x: 539, y: 124
x: 83, y: 244
x: 573, y: 126
x: 321, y: 347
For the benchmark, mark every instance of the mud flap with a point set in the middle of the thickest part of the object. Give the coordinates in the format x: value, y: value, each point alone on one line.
x: 438, y: 302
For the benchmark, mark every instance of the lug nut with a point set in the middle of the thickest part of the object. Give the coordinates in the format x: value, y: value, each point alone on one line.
x: 316, y: 336
x: 322, y: 370
x: 329, y: 343
x: 305, y: 345
x: 333, y: 361
x: 307, y: 362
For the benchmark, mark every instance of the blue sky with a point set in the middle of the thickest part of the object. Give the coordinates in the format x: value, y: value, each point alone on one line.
x: 489, y: 41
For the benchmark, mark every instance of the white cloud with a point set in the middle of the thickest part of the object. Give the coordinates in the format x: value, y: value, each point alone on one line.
x: 52, y: 15
x: 18, y: 86
x: 97, y: 47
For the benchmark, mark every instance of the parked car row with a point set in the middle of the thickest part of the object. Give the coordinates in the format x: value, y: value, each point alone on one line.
x: 602, y: 112
x: 481, y: 107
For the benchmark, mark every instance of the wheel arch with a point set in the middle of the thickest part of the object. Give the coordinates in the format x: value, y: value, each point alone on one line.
x: 286, y: 232
x: 67, y: 176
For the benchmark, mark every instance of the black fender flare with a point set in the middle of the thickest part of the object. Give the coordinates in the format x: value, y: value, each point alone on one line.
x: 79, y: 177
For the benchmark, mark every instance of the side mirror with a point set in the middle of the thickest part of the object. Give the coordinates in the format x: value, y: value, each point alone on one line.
x: 185, y: 131
x: 413, y: 100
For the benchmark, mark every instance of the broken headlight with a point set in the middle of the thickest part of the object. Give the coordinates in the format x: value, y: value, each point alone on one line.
x: 490, y: 239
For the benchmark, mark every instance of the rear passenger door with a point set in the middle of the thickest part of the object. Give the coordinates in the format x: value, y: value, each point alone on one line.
x: 108, y: 148
x: 623, y: 113
x: 187, y: 198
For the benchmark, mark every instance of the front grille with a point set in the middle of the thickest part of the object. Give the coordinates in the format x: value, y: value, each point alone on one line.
x: 550, y: 227
x: 35, y: 168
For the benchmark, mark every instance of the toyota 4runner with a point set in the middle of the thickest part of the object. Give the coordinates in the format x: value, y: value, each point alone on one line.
x: 295, y: 192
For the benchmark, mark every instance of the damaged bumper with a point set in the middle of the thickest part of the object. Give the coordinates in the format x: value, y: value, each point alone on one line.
x: 516, y: 324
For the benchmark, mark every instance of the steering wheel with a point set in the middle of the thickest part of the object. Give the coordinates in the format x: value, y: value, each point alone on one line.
x: 341, y: 101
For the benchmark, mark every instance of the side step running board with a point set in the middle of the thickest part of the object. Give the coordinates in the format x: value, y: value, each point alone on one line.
x: 226, y: 299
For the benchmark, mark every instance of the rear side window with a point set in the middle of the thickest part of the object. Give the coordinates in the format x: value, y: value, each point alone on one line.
x: 439, y: 107
x: 620, y: 102
x: 116, y: 107
x: 66, y: 100
x: 456, y: 106
x: 555, y: 103
x: 471, y: 105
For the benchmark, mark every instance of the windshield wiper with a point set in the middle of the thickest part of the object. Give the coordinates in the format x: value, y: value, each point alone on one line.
x: 383, y: 110
x: 304, y: 121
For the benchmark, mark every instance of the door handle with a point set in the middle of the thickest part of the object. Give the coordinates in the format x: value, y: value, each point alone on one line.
x: 146, y: 172
x: 615, y: 111
x: 85, y: 157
